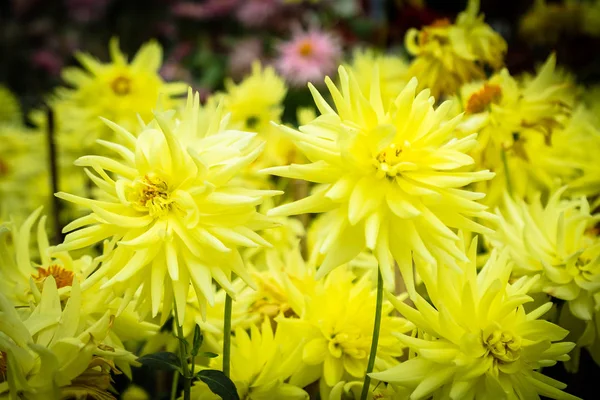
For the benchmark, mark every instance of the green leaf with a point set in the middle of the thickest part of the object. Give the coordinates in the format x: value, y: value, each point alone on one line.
x: 208, y: 354
x: 219, y: 384
x: 198, y: 339
x: 162, y: 360
x: 185, y: 344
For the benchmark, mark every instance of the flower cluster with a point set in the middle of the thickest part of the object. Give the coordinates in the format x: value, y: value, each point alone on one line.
x: 321, y: 224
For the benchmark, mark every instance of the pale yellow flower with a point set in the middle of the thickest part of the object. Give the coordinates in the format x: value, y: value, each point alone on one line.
x: 173, y: 208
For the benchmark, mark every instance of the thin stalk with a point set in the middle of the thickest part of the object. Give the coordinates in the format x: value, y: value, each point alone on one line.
x: 375, y: 340
x: 187, y: 378
x: 175, y: 384
x: 506, y: 172
x: 227, y: 335
x: 53, y: 165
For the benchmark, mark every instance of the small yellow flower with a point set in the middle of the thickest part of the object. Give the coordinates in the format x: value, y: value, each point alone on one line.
x: 392, y: 73
x: 334, y: 329
x: 260, y: 365
x: 47, y: 353
x: 475, y: 339
x: 118, y: 91
x: 254, y: 103
x: 391, y: 177
x: 559, y: 242
x: 173, y: 208
x: 449, y: 55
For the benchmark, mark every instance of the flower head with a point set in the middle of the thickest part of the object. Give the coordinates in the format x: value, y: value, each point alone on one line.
x: 46, y: 351
x: 475, y: 339
x: 308, y: 57
x: 173, y: 209
x: 559, y: 242
x: 449, y: 55
x: 391, y: 70
x: 261, y: 363
x: 391, y: 177
x: 118, y: 91
x: 334, y: 329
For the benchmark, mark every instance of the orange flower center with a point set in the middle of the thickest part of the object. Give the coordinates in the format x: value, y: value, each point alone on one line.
x: 61, y: 276
x: 3, y: 168
x: 482, y: 99
x: 121, y: 86
x: 305, y: 49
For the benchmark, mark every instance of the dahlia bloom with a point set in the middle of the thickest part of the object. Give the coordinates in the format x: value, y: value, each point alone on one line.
x: 261, y: 363
x: 475, y: 340
x: 118, y: 91
x: 557, y: 241
x: 392, y: 72
x: 334, y: 329
x: 46, y: 353
x: 391, y: 178
x: 23, y: 272
x: 449, y: 55
x: 172, y: 208
x: 308, y: 57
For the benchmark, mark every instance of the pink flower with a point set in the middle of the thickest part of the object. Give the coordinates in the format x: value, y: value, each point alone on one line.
x: 255, y: 13
x: 308, y: 57
x: 48, y: 61
x: 205, y: 10
x: 84, y: 11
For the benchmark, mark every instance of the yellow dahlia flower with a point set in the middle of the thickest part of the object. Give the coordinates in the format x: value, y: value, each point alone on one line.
x: 352, y: 390
x: 118, y: 91
x: 177, y: 216
x: 23, y: 274
x: 392, y: 72
x: 254, y: 103
x: 260, y: 366
x: 516, y: 118
x: 334, y: 330
x: 559, y: 242
x: 449, y: 55
x: 391, y: 177
x: 47, y: 354
x: 475, y: 340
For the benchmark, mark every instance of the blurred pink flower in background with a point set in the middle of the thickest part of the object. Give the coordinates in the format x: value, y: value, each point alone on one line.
x: 86, y: 10
x: 243, y: 54
x: 308, y: 57
x: 48, y: 61
x: 205, y: 10
x: 255, y: 13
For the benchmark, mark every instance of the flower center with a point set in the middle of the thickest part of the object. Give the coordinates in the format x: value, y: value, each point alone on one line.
x: 350, y: 344
x: 152, y: 194
x: 305, y: 48
x: 502, y: 345
x: 482, y: 99
x: 272, y: 300
x: 3, y: 366
x: 4, y: 170
x: 389, y: 161
x: 62, y: 276
x: 121, y: 86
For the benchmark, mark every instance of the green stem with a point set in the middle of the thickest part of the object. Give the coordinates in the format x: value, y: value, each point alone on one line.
x: 227, y: 335
x: 187, y: 378
x: 506, y: 172
x: 175, y: 384
x: 375, y: 340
